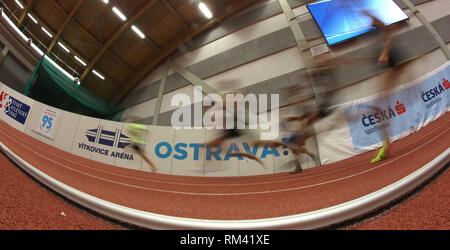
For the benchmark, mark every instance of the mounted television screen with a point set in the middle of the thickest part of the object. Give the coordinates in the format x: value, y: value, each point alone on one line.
x: 340, y: 20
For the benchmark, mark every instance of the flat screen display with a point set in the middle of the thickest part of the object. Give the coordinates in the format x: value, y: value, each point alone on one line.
x: 340, y: 20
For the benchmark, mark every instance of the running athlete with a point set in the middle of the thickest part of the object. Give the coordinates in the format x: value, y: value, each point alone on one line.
x: 230, y: 133
x: 321, y: 75
x: 137, y: 136
x: 295, y: 143
x: 391, y: 56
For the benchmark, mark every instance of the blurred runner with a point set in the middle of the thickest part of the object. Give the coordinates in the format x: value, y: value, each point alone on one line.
x: 229, y: 133
x: 393, y: 57
x: 322, y: 79
x: 137, y: 136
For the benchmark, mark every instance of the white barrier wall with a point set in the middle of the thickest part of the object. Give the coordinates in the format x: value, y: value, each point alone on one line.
x: 178, y: 152
x: 351, y: 130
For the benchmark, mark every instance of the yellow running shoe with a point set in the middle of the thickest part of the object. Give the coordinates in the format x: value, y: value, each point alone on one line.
x: 382, y: 153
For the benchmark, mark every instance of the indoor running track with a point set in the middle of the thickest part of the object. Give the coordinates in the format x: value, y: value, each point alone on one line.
x: 234, y: 198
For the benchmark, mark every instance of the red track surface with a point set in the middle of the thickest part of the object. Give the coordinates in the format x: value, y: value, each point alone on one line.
x: 231, y: 198
x: 426, y: 210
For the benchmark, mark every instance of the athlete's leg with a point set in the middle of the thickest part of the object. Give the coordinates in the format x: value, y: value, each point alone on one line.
x: 392, y: 78
x: 152, y: 166
x: 298, y: 166
x: 248, y: 155
x: 138, y: 149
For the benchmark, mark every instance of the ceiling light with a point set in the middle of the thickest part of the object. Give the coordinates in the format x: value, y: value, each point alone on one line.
x: 47, y: 32
x: 106, y: 1
x: 98, y: 74
x: 39, y: 51
x: 19, y: 3
x: 205, y: 10
x: 138, y: 31
x: 64, y: 47
x: 12, y: 25
x: 119, y: 13
x: 80, y: 61
x: 32, y: 18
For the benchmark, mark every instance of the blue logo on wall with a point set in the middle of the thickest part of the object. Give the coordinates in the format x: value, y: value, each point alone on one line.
x: 17, y: 110
x: 108, y: 138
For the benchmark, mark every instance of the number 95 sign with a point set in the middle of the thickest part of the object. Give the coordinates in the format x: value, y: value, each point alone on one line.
x: 47, y: 122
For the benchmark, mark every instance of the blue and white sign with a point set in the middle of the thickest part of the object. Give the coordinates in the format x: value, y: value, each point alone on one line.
x: 109, y: 138
x: 17, y: 110
x: 47, y: 122
x: 405, y: 109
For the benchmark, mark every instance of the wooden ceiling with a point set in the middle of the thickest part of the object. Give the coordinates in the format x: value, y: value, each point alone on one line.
x: 107, y: 44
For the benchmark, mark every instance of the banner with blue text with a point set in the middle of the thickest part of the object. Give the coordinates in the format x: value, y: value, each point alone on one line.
x: 407, y: 108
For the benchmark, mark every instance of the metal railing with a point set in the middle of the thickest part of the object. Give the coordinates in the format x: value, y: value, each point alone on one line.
x: 12, y: 15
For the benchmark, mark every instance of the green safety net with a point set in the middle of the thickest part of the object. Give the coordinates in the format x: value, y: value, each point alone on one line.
x: 52, y: 87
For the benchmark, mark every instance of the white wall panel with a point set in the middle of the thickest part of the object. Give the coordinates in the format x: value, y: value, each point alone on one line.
x: 260, y: 70
x: 154, y: 76
x: 167, y: 98
x: 434, y: 9
x: 193, y: 163
x: 233, y: 40
x: 158, y: 135
x: 140, y: 111
x: 65, y: 135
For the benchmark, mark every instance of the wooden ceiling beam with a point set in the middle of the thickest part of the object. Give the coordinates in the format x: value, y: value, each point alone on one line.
x: 73, y: 51
x: 115, y: 36
x: 165, y: 52
x: 175, y: 12
x: 90, y: 36
x: 63, y: 26
x: 25, y: 11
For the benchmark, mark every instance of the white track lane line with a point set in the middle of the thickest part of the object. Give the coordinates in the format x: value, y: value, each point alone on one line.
x: 248, y: 193
x: 308, y: 220
x: 176, y: 183
x: 187, y: 183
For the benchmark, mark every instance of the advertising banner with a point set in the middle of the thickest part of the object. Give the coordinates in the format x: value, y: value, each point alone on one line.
x: 400, y: 112
x: 65, y: 134
x: 182, y: 152
x: 102, y: 141
x: 14, y: 108
x: 43, y: 122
